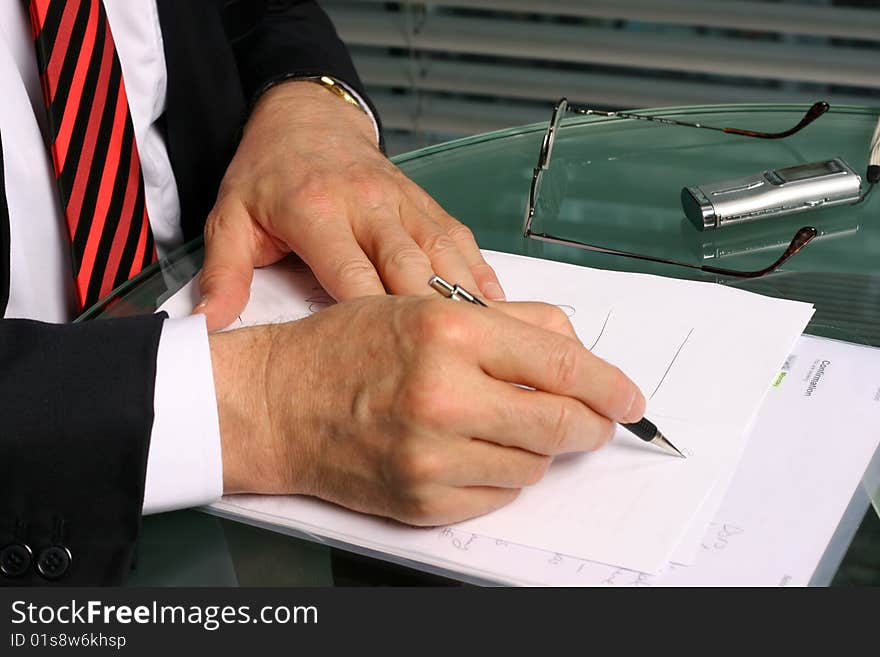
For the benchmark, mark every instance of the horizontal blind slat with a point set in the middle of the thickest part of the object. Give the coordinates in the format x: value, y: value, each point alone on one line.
x: 529, y: 84
x: 589, y: 45
x: 450, y: 116
x: 786, y: 18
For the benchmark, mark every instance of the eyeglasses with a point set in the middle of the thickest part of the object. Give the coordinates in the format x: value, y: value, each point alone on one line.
x: 803, y: 236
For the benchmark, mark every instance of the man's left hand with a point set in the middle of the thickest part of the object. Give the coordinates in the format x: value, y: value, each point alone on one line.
x: 309, y: 178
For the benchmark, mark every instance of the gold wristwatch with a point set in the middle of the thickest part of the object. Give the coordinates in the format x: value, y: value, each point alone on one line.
x: 334, y: 86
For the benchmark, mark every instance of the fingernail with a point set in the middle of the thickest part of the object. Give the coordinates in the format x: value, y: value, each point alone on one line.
x: 494, y: 292
x: 636, y: 409
x: 201, y: 305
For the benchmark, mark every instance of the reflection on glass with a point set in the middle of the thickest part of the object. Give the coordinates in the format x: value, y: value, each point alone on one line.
x: 743, y: 240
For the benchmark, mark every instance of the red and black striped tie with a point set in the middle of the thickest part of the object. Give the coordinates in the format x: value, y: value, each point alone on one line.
x: 93, y: 145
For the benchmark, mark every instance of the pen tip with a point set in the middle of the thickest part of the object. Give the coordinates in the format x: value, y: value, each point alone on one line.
x: 661, y: 441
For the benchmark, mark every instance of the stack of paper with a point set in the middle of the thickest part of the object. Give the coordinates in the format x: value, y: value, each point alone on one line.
x: 704, y: 355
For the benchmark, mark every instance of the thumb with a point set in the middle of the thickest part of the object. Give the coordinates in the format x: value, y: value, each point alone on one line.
x: 226, y: 277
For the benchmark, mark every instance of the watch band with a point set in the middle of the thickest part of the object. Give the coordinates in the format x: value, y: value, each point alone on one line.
x: 334, y: 86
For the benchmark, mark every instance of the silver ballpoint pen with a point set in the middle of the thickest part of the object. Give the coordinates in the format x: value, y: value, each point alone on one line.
x: 643, y: 429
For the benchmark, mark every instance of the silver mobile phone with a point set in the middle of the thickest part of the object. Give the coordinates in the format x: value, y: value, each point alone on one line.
x: 772, y: 193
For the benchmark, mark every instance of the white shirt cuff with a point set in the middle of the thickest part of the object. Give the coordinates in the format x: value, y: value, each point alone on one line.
x: 184, y: 464
x: 363, y: 104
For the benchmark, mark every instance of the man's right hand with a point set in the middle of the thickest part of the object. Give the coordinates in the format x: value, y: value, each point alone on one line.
x: 403, y: 406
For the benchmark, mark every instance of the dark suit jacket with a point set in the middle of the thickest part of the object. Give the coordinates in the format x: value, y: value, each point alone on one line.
x: 76, y: 402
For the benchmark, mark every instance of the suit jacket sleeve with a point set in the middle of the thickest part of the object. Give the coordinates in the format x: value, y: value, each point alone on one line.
x: 220, y: 55
x: 77, y: 412
x: 289, y: 38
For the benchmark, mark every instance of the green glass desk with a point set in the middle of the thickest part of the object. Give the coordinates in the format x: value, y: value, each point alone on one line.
x: 615, y: 183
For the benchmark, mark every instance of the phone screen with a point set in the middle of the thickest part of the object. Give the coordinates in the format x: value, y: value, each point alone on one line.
x: 806, y: 171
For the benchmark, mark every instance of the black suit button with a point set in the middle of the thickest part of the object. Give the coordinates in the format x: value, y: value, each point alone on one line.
x: 15, y: 560
x: 54, y: 562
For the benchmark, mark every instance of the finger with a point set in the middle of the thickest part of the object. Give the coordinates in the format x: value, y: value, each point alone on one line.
x: 536, y: 421
x: 543, y: 315
x: 442, y: 505
x: 531, y: 421
x: 401, y: 263
x: 443, y: 253
x: 332, y: 252
x: 480, y: 463
x: 226, y: 276
x: 518, y: 352
x: 485, y: 277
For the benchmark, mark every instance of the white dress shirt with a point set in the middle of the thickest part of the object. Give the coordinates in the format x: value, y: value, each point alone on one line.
x: 184, y: 465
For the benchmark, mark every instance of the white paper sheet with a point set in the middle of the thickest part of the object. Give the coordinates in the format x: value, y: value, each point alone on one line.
x: 805, y: 457
x: 688, y: 548
x: 702, y: 353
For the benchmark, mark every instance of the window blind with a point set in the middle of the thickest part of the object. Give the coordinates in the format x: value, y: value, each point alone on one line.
x: 450, y: 68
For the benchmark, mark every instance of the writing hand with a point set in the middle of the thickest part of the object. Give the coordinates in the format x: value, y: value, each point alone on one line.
x: 403, y: 406
x: 308, y: 177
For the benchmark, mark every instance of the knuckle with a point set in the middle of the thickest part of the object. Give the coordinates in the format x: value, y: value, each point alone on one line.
x: 415, y: 468
x: 558, y: 438
x: 563, y: 363
x: 443, y: 324
x: 559, y: 315
x: 425, y: 406
x: 352, y: 270
x: 213, y: 224
x: 219, y: 219
x: 459, y: 232
x: 225, y: 281
x: 557, y: 320
x: 438, y: 244
x: 227, y: 277
x: 406, y: 258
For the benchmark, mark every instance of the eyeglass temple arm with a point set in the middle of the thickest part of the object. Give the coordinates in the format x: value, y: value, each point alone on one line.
x: 815, y: 111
